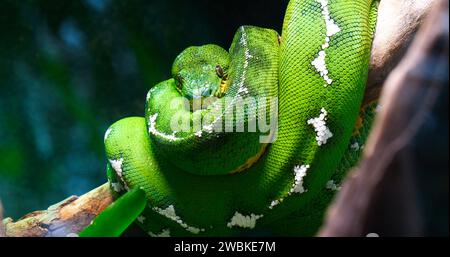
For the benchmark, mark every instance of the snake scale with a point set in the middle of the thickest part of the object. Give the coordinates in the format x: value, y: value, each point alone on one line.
x: 201, y: 179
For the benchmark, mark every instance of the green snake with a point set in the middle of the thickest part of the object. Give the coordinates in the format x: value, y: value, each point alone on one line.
x: 230, y: 167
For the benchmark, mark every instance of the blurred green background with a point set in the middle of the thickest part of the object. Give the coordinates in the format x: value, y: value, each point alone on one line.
x: 69, y: 69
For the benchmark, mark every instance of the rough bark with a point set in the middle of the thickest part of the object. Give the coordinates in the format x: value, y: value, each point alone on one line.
x: 381, y: 193
x: 397, y: 22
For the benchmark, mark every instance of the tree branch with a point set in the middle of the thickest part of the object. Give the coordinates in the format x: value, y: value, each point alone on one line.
x: 65, y: 218
x: 385, y: 176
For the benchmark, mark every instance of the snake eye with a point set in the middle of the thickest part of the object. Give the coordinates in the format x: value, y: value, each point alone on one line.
x: 219, y: 71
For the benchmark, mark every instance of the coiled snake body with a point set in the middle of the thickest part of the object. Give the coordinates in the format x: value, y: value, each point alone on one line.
x: 203, y: 180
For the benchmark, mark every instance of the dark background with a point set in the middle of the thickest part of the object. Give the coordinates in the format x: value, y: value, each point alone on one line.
x: 69, y: 69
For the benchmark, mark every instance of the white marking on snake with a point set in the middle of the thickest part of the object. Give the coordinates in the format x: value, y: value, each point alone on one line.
x: 170, y: 213
x: 331, y: 185
x: 108, y: 131
x: 332, y: 28
x: 241, y: 89
x: 149, y: 93
x: 322, y: 131
x: 243, y: 42
x: 141, y: 219
x: 300, y: 173
x: 152, y: 129
x: 378, y: 108
x: 248, y: 221
x: 163, y: 233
